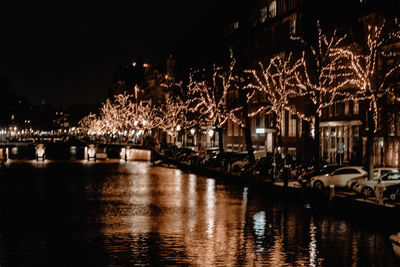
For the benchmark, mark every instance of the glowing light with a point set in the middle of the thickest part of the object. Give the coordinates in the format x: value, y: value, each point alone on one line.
x: 192, y: 131
x: 211, y: 132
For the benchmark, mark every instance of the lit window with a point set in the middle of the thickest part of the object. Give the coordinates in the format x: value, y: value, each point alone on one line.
x: 272, y: 9
x: 292, y: 123
x: 283, y: 123
x: 263, y: 14
x: 292, y: 26
x: 230, y: 128
x: 346, y: 108
x: 292, y: 152
x: 355, y: 107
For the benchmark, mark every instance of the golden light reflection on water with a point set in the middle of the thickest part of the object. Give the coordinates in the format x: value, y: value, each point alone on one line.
x: 312, y: 247
x: 201, y: 222
x: 137, y: 214
x: 210, y: 206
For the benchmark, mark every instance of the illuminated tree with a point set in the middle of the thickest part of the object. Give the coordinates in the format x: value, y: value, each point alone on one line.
x: 375, y: 65
x: 208, y: 97
x: 323, y: 75
x: 277, y: 83
x: 173, y: 116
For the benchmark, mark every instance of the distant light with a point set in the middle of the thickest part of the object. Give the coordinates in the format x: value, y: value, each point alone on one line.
x: 211, y: 132
x: 178, y: 128
x: 192, y: 131
x: 260, y: 130
x: 134, y: 64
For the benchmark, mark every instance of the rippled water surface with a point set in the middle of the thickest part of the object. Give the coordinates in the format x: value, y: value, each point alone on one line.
x: 118, y: 214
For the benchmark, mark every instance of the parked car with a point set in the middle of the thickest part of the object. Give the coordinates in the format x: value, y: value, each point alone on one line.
x: 305, y: 177
x: 183, y: 154
x: 378, y: 172
x: 392, y: 192
x: 213, y: 158
x: 367, y: 187
x: 168, y: 149
x: 261, y: 166
x: 236, y: 161
x: 337, y: 178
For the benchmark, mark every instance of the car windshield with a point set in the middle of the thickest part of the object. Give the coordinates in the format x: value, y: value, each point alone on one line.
x: 392, y: 176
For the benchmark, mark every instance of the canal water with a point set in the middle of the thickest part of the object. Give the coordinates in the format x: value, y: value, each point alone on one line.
x: 120, y: 214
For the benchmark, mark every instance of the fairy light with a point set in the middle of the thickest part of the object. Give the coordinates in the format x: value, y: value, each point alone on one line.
x: 208, y: 97
x: 277, y: 82
x: 371, y: 81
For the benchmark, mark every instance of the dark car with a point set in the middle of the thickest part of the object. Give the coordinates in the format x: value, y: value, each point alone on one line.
x: 168, y: 150
x: 261, y: 166
x: 184, y: 153
x: 304, y: 179
x: 213, y: 158
x: 392, y: 192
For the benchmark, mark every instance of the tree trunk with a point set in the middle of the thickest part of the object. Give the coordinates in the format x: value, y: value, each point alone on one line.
x: 370, y: 146
x: 247, y: 126
x: 317, y: 156
x: 220, y: 140
x: 247, y: 134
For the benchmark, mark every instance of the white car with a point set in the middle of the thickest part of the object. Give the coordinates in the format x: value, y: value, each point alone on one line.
x: 367, y: 187
x: 338, y: 178
x: 378, y: 172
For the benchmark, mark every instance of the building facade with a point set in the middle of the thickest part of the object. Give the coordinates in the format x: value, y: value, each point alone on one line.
x: 254, y: 30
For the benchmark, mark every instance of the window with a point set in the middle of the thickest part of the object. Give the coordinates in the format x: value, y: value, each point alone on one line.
x: 292, y: 152
x: 346, y: 171
x: 229, y: 128
x: 263, y: 14
x: 355, y: 107
x: 253, y: 125
x: 262, y: 123
x: 292, y: 123
x: 346, y: 108
x: 292, y: 26
x: 283, y: 123
x: 355, y: 130
x: 272, y: 9
x: 235, y: 129
x: 394, y: 176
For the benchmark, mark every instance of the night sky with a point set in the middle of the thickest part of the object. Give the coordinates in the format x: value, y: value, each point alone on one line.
x: 68, y: 53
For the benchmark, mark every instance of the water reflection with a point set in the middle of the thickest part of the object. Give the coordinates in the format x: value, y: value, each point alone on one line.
x: 134, y: 213
x: 259, y: 228
x: 312, y: 247
x: 210, y: 206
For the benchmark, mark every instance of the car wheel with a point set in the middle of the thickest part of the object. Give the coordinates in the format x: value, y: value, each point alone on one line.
x: 367, y: 192
x: 353, y: 186
x: 318, y: 185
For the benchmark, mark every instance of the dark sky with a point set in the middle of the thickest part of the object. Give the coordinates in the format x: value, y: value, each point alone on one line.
x: 69, y: 53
